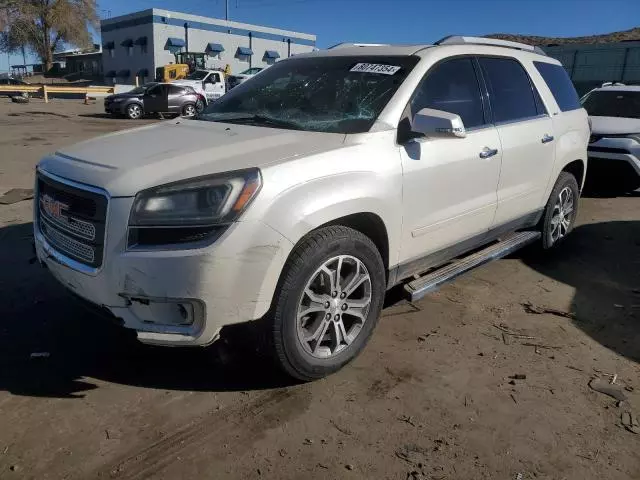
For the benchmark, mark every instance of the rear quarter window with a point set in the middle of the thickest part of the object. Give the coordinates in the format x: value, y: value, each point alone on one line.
x: 556, y: 78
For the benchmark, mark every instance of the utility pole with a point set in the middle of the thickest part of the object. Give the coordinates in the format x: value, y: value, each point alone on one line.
x: 226, y: 9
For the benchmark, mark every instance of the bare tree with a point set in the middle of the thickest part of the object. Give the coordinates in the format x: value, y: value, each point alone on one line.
x: 45, y: 25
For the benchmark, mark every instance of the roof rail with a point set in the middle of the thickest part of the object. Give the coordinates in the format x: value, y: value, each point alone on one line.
x: 613, y: 84
x: 461, y: 40
x: 347, y: 45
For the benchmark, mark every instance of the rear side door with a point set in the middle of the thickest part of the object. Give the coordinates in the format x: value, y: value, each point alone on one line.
x: 527, y: 138
x: 449, y: 192
x: 175, y: 98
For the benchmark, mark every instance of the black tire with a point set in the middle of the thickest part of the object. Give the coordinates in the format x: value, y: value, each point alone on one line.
x: 308, y: 256
x: 565, y: 180
x: 199, y: 106
x: 20, y: 99
x: 134, y: 111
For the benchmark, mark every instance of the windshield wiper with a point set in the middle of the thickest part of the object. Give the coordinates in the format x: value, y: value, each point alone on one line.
x: 260, y: 120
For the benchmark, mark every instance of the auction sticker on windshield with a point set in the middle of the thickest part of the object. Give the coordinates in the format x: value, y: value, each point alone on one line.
x: 375, y: 68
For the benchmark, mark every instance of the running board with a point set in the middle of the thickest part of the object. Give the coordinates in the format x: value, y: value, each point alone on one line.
x: 418, y: 288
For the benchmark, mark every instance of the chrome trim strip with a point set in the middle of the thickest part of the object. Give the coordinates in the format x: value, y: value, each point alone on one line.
x: 71, y: 183
x: 59, y: 257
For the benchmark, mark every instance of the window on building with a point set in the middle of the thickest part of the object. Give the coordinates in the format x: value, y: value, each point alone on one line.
x: 451, y: 86
x: 510, y: 90
x: 559, y: 83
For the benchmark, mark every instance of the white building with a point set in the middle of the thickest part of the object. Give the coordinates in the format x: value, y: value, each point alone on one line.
x: 136, y: 44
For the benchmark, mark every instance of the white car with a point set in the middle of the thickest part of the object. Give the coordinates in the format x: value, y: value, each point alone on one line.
x: 301, y: 196
x: 614, y: 146
x: 210, y: 83
x: 238, y: 78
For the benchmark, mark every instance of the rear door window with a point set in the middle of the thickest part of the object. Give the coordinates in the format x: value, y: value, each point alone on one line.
x: 511, y: 93
x: 559, y: 83
x: 451, y: 86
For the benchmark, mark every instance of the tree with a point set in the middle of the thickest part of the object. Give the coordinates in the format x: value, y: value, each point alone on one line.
x: 45, y: 25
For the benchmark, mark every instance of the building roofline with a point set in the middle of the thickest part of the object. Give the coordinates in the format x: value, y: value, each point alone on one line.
x: 157, y: 12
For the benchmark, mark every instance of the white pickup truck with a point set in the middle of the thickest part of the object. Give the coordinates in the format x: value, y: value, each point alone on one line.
x: 210, y: 83
x: 307, y: 191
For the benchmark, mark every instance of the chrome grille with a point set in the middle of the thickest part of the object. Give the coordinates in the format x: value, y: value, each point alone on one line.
x: 72, y: 225
x: 72, y: 217
x: 67, y: 244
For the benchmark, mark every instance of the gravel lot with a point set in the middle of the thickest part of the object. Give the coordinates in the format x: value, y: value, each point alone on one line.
x: 430, y: 397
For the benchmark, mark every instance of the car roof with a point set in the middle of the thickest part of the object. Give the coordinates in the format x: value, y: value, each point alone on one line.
x: 455, y: 44
x: 618, y: 88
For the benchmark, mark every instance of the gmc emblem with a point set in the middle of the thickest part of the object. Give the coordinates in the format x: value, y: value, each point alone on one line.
x: 53, y: 207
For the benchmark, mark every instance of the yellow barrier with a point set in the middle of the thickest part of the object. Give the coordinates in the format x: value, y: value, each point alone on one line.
x: 53, y: 89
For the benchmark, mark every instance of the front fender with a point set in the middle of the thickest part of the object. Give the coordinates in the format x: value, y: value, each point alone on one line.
x: 307, y: 206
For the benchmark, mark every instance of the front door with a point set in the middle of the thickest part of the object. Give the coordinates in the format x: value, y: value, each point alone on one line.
x: 527, y: 137
x: 156, y: 99
x: 450, y: 184
x: 213, y: 87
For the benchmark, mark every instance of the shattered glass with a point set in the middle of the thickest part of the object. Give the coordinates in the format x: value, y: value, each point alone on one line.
x: 317, y: 94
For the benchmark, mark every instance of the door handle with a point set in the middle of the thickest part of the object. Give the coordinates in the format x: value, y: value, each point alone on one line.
x: 488, y: 152
x: 547, y: 138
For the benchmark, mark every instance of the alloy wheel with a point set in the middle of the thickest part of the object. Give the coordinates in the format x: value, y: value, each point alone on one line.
x: 134, y: 111
x: 562, y: 214
x: 334, y: 306
x: 189, y: 110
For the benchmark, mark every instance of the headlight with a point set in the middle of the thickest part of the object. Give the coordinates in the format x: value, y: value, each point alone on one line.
x: 199, y: 202
x: 116, y: 100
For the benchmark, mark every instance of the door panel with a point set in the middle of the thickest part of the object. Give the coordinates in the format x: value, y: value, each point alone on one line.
x: 449, y: 189
x: 526, y: 163
x: 174, y: 98
x: 155, y: 99
x: 526, y: 135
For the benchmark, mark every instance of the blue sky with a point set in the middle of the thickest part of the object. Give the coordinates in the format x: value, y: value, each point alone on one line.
x: 404, y: 21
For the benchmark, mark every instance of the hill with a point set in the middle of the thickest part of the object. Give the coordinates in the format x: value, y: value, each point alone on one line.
x: 623, y: 36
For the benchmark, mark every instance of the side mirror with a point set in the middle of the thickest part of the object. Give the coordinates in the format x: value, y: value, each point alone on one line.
x: 436, y: 123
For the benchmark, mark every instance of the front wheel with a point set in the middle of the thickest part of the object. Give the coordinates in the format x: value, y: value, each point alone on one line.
x: 561, y: 211
x: 134, y: 111
x: 329, y: 300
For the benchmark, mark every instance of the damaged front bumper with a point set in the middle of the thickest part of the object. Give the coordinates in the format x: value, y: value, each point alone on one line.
x: 176, y: 296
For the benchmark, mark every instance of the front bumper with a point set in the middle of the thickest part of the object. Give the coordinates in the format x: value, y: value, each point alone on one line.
x: 615, y: 152
x: 114, y: 107
x: 176, y: 296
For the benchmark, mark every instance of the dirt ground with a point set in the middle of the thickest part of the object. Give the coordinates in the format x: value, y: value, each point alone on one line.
x: 430, y: 397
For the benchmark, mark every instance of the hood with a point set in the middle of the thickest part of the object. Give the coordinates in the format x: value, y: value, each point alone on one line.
x: 614, y: 125
x: 187, y: 82
x: 125, y: 162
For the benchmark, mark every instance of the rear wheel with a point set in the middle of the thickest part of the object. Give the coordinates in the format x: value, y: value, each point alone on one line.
x: 189, y: 110
x: 134, y: 111
x: 561, y: 211
x: 328, y: 302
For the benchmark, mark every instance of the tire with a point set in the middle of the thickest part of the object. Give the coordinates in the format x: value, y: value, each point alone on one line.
x: 356, y: 257
x: 20, y: 99
x: 561, y: 211
x: 199, y: 106
x: 189, y: 110
x: 134, y: 111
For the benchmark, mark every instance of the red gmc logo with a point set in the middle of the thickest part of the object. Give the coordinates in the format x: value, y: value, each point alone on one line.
x: 53, y: 207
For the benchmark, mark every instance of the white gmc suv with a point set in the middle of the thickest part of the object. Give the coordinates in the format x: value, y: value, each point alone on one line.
x: 306, y: 192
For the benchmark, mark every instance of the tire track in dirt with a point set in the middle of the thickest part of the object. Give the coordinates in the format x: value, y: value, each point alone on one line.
x: 241, y: 425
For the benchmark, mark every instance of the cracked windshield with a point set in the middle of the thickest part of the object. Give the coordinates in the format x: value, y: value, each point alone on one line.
x: 336, y: 95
